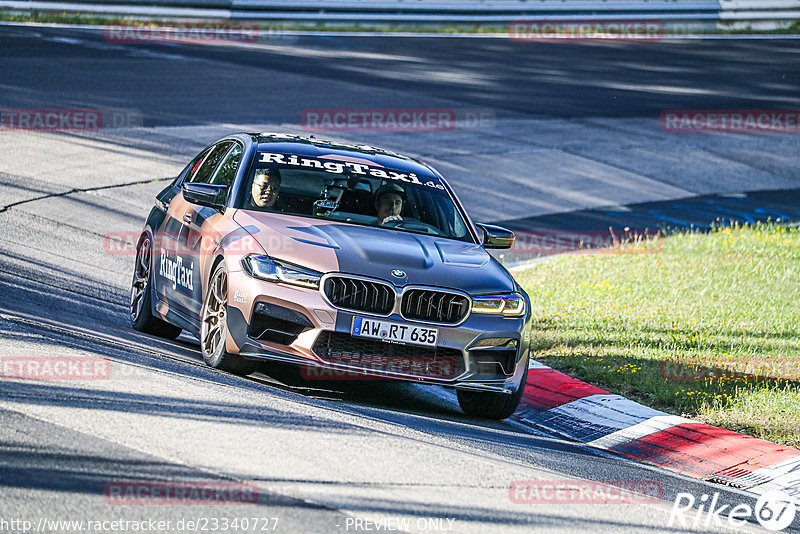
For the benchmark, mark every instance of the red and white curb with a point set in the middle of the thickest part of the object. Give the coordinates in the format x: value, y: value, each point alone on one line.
x: 568, y: 407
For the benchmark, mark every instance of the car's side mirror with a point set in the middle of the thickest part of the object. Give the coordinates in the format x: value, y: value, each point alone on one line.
x: 211, y: 195
x: 496, y: 237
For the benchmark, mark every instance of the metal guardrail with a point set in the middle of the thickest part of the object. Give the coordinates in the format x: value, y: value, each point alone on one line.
x: 487, y: 6
x: 723, y: 13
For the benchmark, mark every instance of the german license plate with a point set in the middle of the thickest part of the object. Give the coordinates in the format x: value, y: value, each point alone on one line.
x: 394, y: 332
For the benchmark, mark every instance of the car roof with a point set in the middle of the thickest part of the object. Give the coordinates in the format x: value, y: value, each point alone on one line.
x: 313, y: 147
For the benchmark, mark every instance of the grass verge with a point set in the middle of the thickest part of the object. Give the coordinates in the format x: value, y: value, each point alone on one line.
x: 705, y: 325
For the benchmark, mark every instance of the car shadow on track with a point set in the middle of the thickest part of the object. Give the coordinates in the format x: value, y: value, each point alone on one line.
x: 435, y: 401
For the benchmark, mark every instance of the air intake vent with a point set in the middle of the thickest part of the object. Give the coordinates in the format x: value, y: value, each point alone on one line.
x: 371, y: 355
x: 434, y: 306
x: 360, y: 295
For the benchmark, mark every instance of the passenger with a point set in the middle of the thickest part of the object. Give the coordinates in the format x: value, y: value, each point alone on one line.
x: 389, y: 202
x: 266, y: 185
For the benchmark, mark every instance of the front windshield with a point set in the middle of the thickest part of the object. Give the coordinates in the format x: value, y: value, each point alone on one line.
x: 364, y: 193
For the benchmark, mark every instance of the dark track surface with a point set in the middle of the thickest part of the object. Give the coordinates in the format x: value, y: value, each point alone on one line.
x: 618, y: 79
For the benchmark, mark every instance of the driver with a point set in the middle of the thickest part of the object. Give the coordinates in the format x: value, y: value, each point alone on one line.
x: 266, y: 185
x: 389, y: 202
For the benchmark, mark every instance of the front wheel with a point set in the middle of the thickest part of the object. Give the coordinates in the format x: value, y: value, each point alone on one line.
x: 141, y: 314
x: 491, y: 405
x: 214, y: 329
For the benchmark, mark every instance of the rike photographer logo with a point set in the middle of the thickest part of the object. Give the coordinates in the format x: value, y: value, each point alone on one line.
x: 774, y: 510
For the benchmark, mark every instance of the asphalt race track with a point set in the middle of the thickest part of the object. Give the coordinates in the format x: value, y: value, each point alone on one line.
x: 573, y: 127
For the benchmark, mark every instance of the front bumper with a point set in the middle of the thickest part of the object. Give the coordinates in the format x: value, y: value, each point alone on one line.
x: 299, y: 326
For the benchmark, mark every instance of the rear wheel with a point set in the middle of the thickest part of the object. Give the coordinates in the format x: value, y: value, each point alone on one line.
x: 142, y: 318
x: 214, y: 329
x: 491, y: 405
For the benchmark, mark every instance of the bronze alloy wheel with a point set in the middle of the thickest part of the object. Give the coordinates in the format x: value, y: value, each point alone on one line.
x: 213, y: 330
x: 212, y: 334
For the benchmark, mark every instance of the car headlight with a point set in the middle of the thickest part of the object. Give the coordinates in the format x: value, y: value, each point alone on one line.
x: 511, y: 305
x: 272, y: 270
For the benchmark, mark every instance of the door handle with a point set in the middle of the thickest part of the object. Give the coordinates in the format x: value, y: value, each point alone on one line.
x: 187, y: 218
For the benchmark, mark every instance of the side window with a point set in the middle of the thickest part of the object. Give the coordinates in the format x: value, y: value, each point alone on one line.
x: 186, y: 175
x: 206, y: 170
x: 227, y: 171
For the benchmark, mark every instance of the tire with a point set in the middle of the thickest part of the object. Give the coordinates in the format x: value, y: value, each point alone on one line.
x: 214, y: 328
x: 141, y: 310
x: 490, y: 405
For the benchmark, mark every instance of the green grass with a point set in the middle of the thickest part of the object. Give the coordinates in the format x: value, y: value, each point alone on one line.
x: 724, y: 305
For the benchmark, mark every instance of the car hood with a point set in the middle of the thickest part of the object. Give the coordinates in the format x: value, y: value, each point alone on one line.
x: 375, y: 252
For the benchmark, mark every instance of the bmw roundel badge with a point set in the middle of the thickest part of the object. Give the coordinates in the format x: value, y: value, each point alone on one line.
x: 398, y: 273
